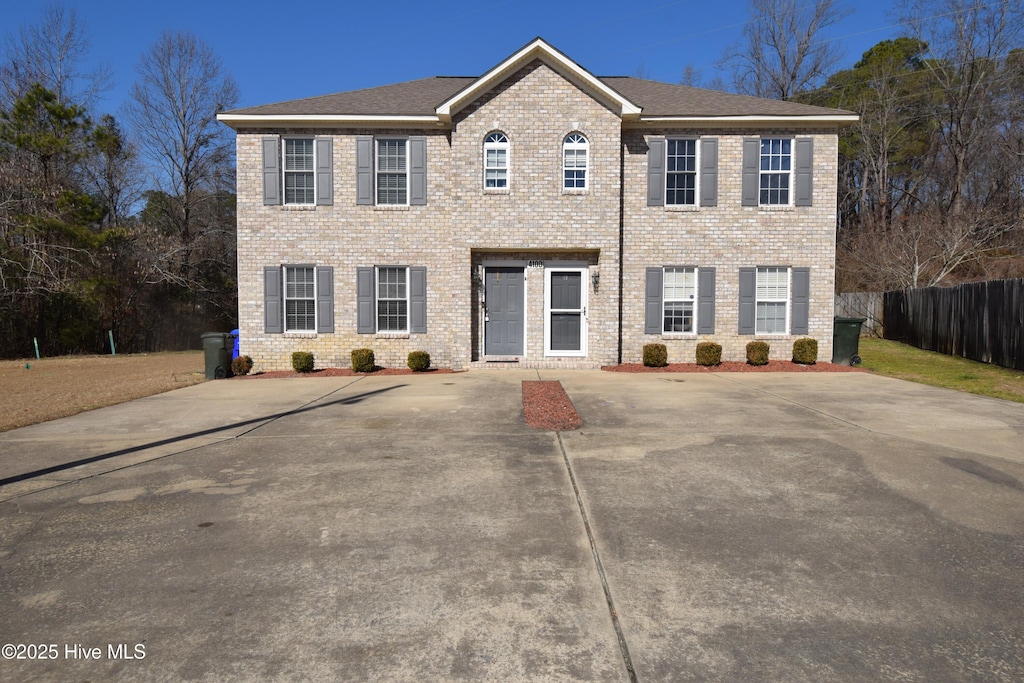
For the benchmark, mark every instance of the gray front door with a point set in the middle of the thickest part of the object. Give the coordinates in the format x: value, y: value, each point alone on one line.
x: 504, y: 300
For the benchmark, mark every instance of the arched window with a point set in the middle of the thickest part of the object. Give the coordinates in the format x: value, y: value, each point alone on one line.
x: 574, y: 161
x: 496, y: 160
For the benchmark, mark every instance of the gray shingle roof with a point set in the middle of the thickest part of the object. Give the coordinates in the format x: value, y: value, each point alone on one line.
x: 422, y: 97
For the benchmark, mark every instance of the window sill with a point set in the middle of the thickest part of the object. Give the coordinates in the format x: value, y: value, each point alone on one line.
x: 678, y: 335
x: 299, y: 207
x: 772, y: 207
x: 575, y: 191
x: 682, y: 208
x: 497, y: 190
x: 391, y: 207
x: 300, y: 335
x: 391, y: 335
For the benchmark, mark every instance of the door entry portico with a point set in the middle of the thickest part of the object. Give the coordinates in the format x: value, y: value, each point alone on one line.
x: 504, y: 311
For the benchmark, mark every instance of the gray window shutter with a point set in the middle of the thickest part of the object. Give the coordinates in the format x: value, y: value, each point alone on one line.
x: 271, y: 170
x: 366, y: 319
x: 656, y: 172
x: 748, y: 300
x: 272, y: 301
x: 709, y: 172
x: 417, y: 300
x: 804, y: 171
x: 801, y: 307
x: 705, y: 301
x: 652, y: 302
x: 325, y: 299
x: 751, y: 166
x: 364, y: 169
x: 324, y: 171
x: 418, y: 171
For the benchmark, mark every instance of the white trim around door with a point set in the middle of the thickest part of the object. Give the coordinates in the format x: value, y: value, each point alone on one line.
x: 565, y: 310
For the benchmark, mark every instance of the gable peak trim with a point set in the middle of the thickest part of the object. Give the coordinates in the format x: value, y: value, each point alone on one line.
x: 538, y: 48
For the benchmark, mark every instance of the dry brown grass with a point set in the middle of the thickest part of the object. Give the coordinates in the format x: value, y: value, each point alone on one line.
x: 58, y: 387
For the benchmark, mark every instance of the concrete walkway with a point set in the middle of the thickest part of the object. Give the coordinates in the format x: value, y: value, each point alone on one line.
x: 713, y: 527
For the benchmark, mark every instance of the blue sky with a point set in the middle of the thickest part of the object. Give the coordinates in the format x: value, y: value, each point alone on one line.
x: 280, y: 51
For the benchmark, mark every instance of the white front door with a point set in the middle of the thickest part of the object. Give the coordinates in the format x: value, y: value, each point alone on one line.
x: 565, y: 311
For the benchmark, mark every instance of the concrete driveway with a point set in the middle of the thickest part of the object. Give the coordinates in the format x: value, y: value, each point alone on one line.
x: 699, y: 527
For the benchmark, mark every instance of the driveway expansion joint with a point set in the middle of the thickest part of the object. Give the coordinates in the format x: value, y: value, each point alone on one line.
x: 627, y: 660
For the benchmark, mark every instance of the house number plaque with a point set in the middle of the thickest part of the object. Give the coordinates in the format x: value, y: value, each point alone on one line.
x: 535, y: 264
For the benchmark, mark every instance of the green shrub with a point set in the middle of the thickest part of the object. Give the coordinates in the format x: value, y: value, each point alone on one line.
x: 363, y: 360
x: 241, y: 365
x: 418, y: 361
x: 709, y: 353
x: 655, y: 355
x: 302, y: 361
x: 805, y: 351
x: 757, y: 353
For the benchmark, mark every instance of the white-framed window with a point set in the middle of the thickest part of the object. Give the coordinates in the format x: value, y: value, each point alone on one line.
x: 299, y: 299
x: 772, y: 297
x: 575, y: 149
x: 299, y: 176
x: 496, y: 154
x: 681, y: 172
x: 776, y: 172
x: 392, y: 299
x: 392, y: 172
x: 679, y: 297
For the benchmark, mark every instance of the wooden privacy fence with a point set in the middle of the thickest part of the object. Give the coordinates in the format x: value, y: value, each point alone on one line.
x: 983, y: 321
x: 867, y: 305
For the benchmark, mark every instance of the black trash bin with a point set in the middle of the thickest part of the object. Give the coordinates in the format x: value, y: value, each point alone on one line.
x: 846, y: 340
x: 217, y: 355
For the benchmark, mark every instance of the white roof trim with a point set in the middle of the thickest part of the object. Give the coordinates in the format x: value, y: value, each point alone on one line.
x: 276, y: 120
x: 814, y: 120
x: 536, y: 49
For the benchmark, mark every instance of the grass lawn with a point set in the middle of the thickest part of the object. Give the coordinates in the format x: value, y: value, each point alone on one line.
x: 893, y: 359
x: 39, y: 390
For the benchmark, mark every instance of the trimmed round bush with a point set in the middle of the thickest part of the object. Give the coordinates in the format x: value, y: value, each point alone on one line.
x: 757, y: 353
x: 655, y: 355
x: 709, y: 353
x: 418, y: 361
x: 805, y: 351
x: 363, y: 360
x: 241, y: 365
x: 302, y: 361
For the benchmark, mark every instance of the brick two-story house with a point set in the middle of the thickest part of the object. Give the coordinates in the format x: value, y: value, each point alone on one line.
x: 534, y: 216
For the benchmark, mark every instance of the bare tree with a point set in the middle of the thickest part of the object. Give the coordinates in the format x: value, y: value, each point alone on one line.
x: 52, y: 54
x: 782, y: 51
x: 173, y: 110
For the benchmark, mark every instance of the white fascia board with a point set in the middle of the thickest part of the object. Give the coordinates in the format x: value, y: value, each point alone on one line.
x: 834, y: 120
x: 326, y: 120
x: 535, y: 49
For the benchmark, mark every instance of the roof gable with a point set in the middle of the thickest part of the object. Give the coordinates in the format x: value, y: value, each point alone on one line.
x: 538, y: 49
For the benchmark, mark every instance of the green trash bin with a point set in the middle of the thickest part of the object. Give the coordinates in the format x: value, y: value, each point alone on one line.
x: 846, y: 340
x: 217, y: 355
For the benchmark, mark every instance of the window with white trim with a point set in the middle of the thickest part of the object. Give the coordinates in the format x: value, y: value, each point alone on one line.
x: 775, y: 171
x: 679, y: 299
x: 681, y: 172
x: 392, y: 299
x: 496, y: 161
x: 575, y: 150
x: 772, y: 297
x: 299, y: 175
x: 299, y: 299
x: 392, y: 172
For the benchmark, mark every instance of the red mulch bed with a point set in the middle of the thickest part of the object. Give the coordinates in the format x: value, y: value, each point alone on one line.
x: 735, y: 366
x: 343, y: 372
x: 547, y: 406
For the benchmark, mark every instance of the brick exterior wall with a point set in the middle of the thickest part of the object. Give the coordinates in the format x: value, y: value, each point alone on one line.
x: 463, y: 227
